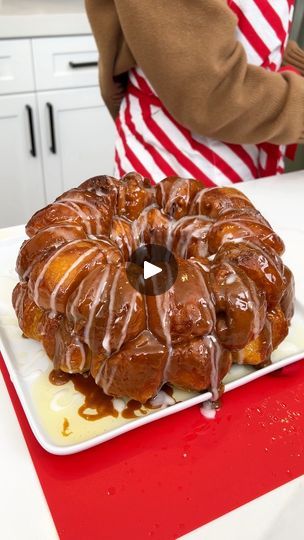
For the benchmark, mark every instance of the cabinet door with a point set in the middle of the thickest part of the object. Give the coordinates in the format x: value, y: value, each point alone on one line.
x: 77, y: 135
x: 21, y: 177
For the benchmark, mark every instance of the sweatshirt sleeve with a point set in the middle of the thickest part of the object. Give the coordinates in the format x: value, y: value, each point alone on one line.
x: 190, y: 54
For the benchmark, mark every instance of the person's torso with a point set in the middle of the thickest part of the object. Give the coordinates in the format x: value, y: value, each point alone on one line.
x: 150, y: 139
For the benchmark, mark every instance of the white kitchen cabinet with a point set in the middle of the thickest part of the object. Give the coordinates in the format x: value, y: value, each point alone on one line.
x: 49, y: 97
x: 77, y: 136
x: 65, y: 62
x: 21, y: 174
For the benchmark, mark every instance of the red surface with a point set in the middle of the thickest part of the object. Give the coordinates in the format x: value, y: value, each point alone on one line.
x: 169, y: 477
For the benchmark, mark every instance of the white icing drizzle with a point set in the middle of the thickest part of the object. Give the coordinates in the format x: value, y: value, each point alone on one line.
x: 202, y: 265
x: 258, y: 323
x: 20, y: 298
x: 121, y: 237
x: 231, y: 279
x: 251, y: 299
x: 83, y: 216
x: 75, y: 302
x: 94, y: 305
x: 119, y: 404
x: 265, y: 259
x: 107, y: 338
x: 246, y: 233
x: 78, y: 345
x: 83, y: 353
x: 215, y: 355
x: 68, y: 359
x: 127, y: 320
x: 90, y: 205
x: 205, y: 299
x: 163, y: 193
x: 164, y: 312
x: 170, y: 233
x: 46, y: 266
x: 162, y: 400
x: 173, y: 194
x: 110, y: 323
x: 208, y: 410
x: 65, y: 237
x: 198, y: 197
x: 31, y: 266
x: 141, y: 225
x: 189, y: 232
x: 63, y: 278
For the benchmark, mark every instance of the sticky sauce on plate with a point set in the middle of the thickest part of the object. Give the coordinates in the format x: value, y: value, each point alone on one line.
x: 96, y: 404
x: 99, y: 405
x: 65, y: 428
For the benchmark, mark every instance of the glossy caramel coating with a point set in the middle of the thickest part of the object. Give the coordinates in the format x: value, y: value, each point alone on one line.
x: 288, y: 299
x: 212, y: 202
x: 103, y: 185
x: 93, y: 213
x: 130, y: 195
x: 257, y: 352
x: 30, y: 316
x: 65, y: 349
x: 192, y: 363
x: 279, y: 326
x: 240, y: 306
x: 136, y: 370
x: 233, y: 298
x: 122, y: 235
x: 44, y: 243
x: 245, y: 226
x: 263, y: 266
x: 135, y: 194
x: 189, y: 237
x: 152, y: 227
x: 105, y: 310
x: 175, y: 196
x: 52, y: 281
x: 185, y: 311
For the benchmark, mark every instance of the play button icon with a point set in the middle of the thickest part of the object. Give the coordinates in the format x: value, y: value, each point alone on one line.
x: 152, y: 269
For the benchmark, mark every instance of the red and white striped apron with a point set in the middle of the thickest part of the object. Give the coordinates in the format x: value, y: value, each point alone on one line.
x: 151, y: 142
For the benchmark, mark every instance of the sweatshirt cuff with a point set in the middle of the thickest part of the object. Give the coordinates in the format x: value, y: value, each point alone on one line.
x: 294, y: 57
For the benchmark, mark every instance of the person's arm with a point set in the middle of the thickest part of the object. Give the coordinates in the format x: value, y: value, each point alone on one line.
x: 190, y: 54
x: 107, y: 32
x: 294, y: 56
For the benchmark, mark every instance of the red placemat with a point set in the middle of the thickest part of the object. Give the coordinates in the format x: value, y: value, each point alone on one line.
x: 169, y: 477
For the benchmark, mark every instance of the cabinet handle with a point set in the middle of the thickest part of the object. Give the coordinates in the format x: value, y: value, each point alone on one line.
x: 78, y: 65
x: 32, y: 131
x: 53, y: 147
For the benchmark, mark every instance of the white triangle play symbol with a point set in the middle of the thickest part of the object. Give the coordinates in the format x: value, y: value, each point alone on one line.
x: 150, y: 270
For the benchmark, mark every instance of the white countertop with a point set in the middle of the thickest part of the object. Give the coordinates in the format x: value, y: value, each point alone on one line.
x: 34, y: 18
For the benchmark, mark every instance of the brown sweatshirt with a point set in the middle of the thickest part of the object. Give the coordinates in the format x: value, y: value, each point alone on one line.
x: 190, y: 55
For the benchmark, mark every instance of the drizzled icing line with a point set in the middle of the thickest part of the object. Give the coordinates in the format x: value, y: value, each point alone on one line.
x: 96, y: 212
x: 46, y: 266
x: 80, y: 259
x: 94, y: 305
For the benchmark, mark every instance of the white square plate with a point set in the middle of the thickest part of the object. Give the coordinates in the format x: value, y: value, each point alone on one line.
x: 46, y: 406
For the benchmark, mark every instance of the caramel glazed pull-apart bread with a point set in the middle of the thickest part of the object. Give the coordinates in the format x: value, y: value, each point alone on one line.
x: 232, y: 300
